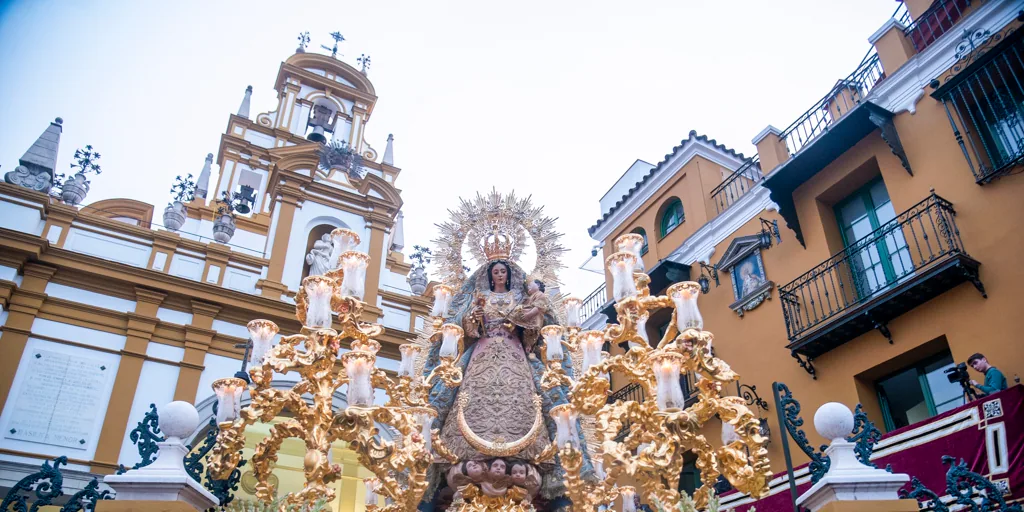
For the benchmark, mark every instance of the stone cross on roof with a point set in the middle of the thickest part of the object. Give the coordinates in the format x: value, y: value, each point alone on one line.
x: 337, y: 39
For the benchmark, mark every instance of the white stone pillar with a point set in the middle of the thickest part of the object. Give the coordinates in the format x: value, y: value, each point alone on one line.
x: 847, y: 478
x: 165, y: 479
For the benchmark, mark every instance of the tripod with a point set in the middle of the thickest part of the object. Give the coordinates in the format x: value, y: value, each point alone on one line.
x: 970, y: 394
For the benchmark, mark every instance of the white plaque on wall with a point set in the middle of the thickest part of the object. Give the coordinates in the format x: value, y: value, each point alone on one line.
x: 59, y: 400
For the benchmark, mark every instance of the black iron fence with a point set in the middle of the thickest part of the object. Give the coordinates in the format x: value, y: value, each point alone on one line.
x: 936, y: 21
x: 733, y: 187
x: 594, y: 301
x: 871, y: 265
x: 844, y: 96
x: 985, y: 106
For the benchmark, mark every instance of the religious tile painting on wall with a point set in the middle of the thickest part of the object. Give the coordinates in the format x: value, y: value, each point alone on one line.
x: 748, y: 275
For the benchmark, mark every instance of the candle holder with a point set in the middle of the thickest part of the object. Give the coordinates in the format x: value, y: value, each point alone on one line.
x: 442, y: 299
x: 353, y: 283
x: 407, y: 366
x: 666, y: 373
x: 262, y: 333
x: 554, y: 374
x: 313, y: 302
x: 628, y: 495
x: 342, y: 241
x: 358, y: 366
x: 620, y: 266
x: 565, y: 417
x: 448, y: 370
x: 591, y: 343
x: 684, y: 296
x: 632, y: 243
x: 572, y: 311
x: 229, y: 398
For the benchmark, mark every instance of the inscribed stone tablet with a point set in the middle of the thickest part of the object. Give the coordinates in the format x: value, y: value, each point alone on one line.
x: 59, y: 400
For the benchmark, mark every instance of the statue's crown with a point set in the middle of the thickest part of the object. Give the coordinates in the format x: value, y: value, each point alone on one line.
x: 498, y: 246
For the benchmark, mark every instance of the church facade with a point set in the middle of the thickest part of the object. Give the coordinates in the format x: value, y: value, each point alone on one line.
x: 108, y: 308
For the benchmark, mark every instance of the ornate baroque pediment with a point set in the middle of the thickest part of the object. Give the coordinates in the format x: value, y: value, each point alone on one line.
x: 750, y: 285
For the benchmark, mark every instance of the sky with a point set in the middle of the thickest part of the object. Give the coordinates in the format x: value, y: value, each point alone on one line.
x: 552, y: 99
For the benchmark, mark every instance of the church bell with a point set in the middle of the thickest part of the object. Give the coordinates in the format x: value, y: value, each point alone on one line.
x: 317, y: 135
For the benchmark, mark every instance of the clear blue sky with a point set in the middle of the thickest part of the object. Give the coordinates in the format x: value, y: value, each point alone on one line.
x: 554, y: 99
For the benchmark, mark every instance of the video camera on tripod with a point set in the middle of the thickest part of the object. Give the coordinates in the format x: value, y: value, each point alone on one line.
x: 958, y: 374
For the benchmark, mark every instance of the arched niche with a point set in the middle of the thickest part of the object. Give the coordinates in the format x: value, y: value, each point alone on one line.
x: 314, y: 234
x: 315, y: 230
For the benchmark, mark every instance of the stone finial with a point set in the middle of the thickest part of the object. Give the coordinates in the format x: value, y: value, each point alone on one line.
x: 834, y: 421
x: 389, y: 152
x: 243, y: 109
x: 203, y: 183
x: 36, y: 167
x: 178, y: 420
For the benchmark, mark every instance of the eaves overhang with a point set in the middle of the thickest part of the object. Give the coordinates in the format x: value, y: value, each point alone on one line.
x: 816, y: 155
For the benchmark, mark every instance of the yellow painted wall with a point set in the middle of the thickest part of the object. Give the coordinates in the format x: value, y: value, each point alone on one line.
x: 988, y: 218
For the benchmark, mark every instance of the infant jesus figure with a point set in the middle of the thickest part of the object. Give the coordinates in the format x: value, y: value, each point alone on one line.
x: 529, y: 314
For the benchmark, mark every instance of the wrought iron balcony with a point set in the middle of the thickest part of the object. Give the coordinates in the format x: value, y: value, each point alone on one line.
x: 592, y: 304
x: 907, y: 261
x: 844, y: 96
x: 984, y: 100
x: 737, y: 184
x: 937, y: 20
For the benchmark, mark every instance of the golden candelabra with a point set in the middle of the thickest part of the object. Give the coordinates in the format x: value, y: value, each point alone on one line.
x: 399, y: 466
x: 661, y: 429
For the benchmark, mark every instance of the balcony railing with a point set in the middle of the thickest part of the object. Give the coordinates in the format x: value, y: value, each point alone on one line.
x: 844, y: 96
x: 594, y: 301
x: 908, y: 260
x: 985, y: 105
x: 937, y: 20
x: 737, y: 184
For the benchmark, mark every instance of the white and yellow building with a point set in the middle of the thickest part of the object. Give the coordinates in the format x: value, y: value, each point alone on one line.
x: 104, y: 312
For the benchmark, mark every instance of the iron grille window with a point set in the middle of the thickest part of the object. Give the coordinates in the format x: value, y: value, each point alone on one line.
x: 985, y: 107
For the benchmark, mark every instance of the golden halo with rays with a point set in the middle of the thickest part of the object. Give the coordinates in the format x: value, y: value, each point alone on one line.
x: 485, y: 216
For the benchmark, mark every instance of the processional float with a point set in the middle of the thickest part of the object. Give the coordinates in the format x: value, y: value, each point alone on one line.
x: 660, y: 429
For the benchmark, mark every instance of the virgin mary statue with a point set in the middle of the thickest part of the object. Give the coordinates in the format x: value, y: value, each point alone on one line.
x: 497, y: 421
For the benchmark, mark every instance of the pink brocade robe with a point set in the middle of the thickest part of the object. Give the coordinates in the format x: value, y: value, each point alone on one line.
x: 501, y: 388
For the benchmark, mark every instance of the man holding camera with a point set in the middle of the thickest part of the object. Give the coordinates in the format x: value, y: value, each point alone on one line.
x: 994, y: 379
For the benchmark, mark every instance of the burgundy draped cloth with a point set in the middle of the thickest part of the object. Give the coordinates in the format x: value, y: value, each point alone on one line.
x: 988, y: 434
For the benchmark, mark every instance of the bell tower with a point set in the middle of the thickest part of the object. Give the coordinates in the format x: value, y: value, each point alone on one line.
x: 305, y: 168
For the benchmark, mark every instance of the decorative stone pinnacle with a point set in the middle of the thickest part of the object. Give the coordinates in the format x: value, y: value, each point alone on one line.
x: 833, y: 421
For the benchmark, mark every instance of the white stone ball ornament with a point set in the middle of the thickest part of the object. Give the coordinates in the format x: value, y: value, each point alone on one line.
x: 833, y: 421
x: 178, y: 420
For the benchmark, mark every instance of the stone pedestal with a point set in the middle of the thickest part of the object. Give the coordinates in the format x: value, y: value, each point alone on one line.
x: 850, y: 485
x: 872, y: 506
x: 143, y: 506
x: 165, y: 481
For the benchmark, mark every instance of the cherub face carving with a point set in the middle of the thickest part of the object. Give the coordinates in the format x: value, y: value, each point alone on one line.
x: 519, y: 474
x: 474, y: 469
x: 498, y: 468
